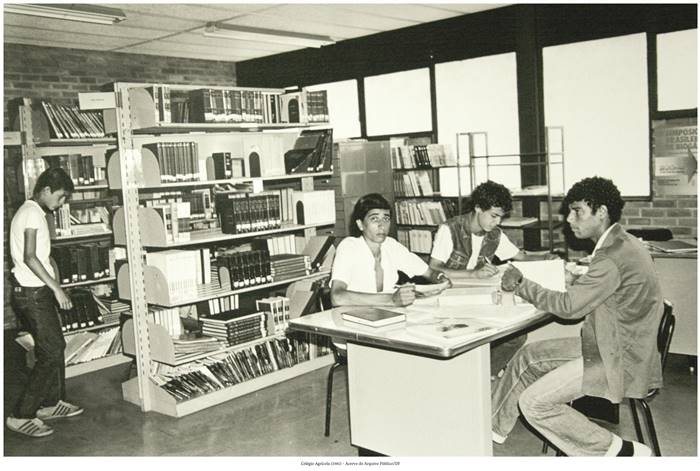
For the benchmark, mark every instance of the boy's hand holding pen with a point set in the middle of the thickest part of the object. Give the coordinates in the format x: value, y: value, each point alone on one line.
x: 487, y: 270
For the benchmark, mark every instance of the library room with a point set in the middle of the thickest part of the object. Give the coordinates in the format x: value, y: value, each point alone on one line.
x: 349, y: 234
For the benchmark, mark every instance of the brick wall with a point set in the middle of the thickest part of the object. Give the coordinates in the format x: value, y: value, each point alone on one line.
x: 58, y: 75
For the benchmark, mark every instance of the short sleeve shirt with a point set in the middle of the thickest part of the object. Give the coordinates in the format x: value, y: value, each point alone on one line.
x: 442, y: 247
x: 354, y: 264
x: 30, y: 216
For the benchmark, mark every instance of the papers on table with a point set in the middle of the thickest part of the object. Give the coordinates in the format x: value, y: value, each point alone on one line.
x: 546, y: 273
x: 492, y: 314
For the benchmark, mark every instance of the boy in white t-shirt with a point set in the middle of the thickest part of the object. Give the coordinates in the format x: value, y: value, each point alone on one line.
x: 35, y: 294
x: 465, y: 246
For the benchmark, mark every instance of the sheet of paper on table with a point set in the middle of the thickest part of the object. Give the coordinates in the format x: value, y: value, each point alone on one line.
x: 546, y: 273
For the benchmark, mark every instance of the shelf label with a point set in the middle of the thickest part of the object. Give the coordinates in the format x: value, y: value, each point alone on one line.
x: 96, y: 101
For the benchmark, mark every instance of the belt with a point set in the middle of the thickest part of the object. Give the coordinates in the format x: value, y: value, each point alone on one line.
x: 27, y: 289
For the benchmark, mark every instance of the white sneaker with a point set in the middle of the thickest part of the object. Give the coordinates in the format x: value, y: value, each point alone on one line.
x: 498, y: 438
x: 640, y: 449
x: 29, y: 427
x: 60, y: 410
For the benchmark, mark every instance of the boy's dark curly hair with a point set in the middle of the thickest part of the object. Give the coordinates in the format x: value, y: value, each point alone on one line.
x: 363, y: 206
x: 490, y: 194
x: 56, y: 179
x: 597, y: 191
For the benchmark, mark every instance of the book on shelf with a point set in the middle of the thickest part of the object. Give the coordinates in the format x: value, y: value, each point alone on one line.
x: 243, y: 212
x: 227, y: 369
x: 373, y: 317
x: 312, y: 152
x: 68, y: 122
x: 84, y: 313
x: 243, y: 269
x: 177, y: 161
x: 277, y: 311
x: 418, y: 212
x: 179, y: 267
x: 217, y: 305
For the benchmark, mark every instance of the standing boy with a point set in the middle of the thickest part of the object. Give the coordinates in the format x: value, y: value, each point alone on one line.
x: 35, y: 294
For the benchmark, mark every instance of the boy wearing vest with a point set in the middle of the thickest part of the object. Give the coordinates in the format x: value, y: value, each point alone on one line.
x: 465, y: 246
x: 35, y: 294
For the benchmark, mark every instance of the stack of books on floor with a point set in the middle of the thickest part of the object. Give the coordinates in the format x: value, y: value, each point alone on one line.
x: 188, y: 344
x: 286, y: 266
x: 235, y: 327
x: 82, y: 347
x: 227, y: 369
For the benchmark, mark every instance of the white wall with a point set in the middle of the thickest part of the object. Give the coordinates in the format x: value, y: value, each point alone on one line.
x: 343, y: 109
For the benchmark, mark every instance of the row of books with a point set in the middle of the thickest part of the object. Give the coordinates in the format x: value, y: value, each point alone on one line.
x: 178, y: 161
x: 419, y: 183
x: 235, y: 106
x: 235, y: 327
x: 82, y: 262
x: 317, y: 106
x: 421, y: 156
x: 218, y: 305
x: 82, y: 347
x: 248, y: 212
x: 224, y: 370
x: 422, y: 213
x: 175, y: 217
x: 242, y: 269
x: 417, y: 240
x: 69, y: 220
x: 112, y: 308
x: 226, y: 166
x: 80, y: 168
x: 84, y: 313
x: 287, y: 266
x: 194, y: 344
x: 168, y: 318
x: 277, y: 244
x: 68, y: 122
x: 277, y: 310
x: 312, y: 152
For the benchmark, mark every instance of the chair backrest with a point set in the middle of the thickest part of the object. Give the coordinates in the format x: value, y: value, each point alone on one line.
x: 665, y: 335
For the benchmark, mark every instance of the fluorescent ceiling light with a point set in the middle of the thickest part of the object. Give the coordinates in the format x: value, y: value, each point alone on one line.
x: 249, y: 33
x: 69, y: 11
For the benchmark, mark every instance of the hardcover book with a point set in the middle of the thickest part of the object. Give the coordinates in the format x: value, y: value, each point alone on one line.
x: 373, y: 317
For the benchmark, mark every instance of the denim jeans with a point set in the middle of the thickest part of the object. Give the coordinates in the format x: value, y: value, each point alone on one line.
x: 36, y: 308
x: 542, y: 379
x: 503, y: 350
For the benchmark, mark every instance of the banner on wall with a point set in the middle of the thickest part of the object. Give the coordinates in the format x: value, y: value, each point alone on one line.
x: 675, y: 159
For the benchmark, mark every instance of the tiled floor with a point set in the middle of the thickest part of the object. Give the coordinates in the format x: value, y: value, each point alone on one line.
x: 283, y: 420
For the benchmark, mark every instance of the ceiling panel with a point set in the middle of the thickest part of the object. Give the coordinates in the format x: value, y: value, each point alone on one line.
x: 168, y: 29
x: 331, y: 15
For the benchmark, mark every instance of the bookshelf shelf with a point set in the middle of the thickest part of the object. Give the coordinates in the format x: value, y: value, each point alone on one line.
x: 153, y: 231
x: 107, y: 141
x: 11, y: 138
x: 91, y: 188
x: 96, y: 365
x: 82, y: 236
x: 418, y: 225
x: 166, y: 404
x: 181, y: 128
x: 237, y: 180
x: 157, y: 291
x: 96, y: 281
x: 94, y: 327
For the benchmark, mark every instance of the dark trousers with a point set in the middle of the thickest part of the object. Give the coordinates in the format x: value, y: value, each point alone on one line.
x: 36, y: 309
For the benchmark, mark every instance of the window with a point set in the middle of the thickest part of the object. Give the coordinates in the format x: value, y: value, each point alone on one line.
x: 398, y: 103
x: 677, y: 74
x: 481, y: 95
x: 598, y: 92
x: 343, y: 108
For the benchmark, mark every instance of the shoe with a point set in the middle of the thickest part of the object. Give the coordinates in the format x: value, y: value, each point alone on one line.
x: 30, y: 427
x: 498, y: 438
x: 640, y: 449
x: 59, y: 411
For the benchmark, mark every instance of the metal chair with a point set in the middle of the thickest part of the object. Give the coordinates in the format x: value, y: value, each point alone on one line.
x: 341, y: 359
x: 663, y: 343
